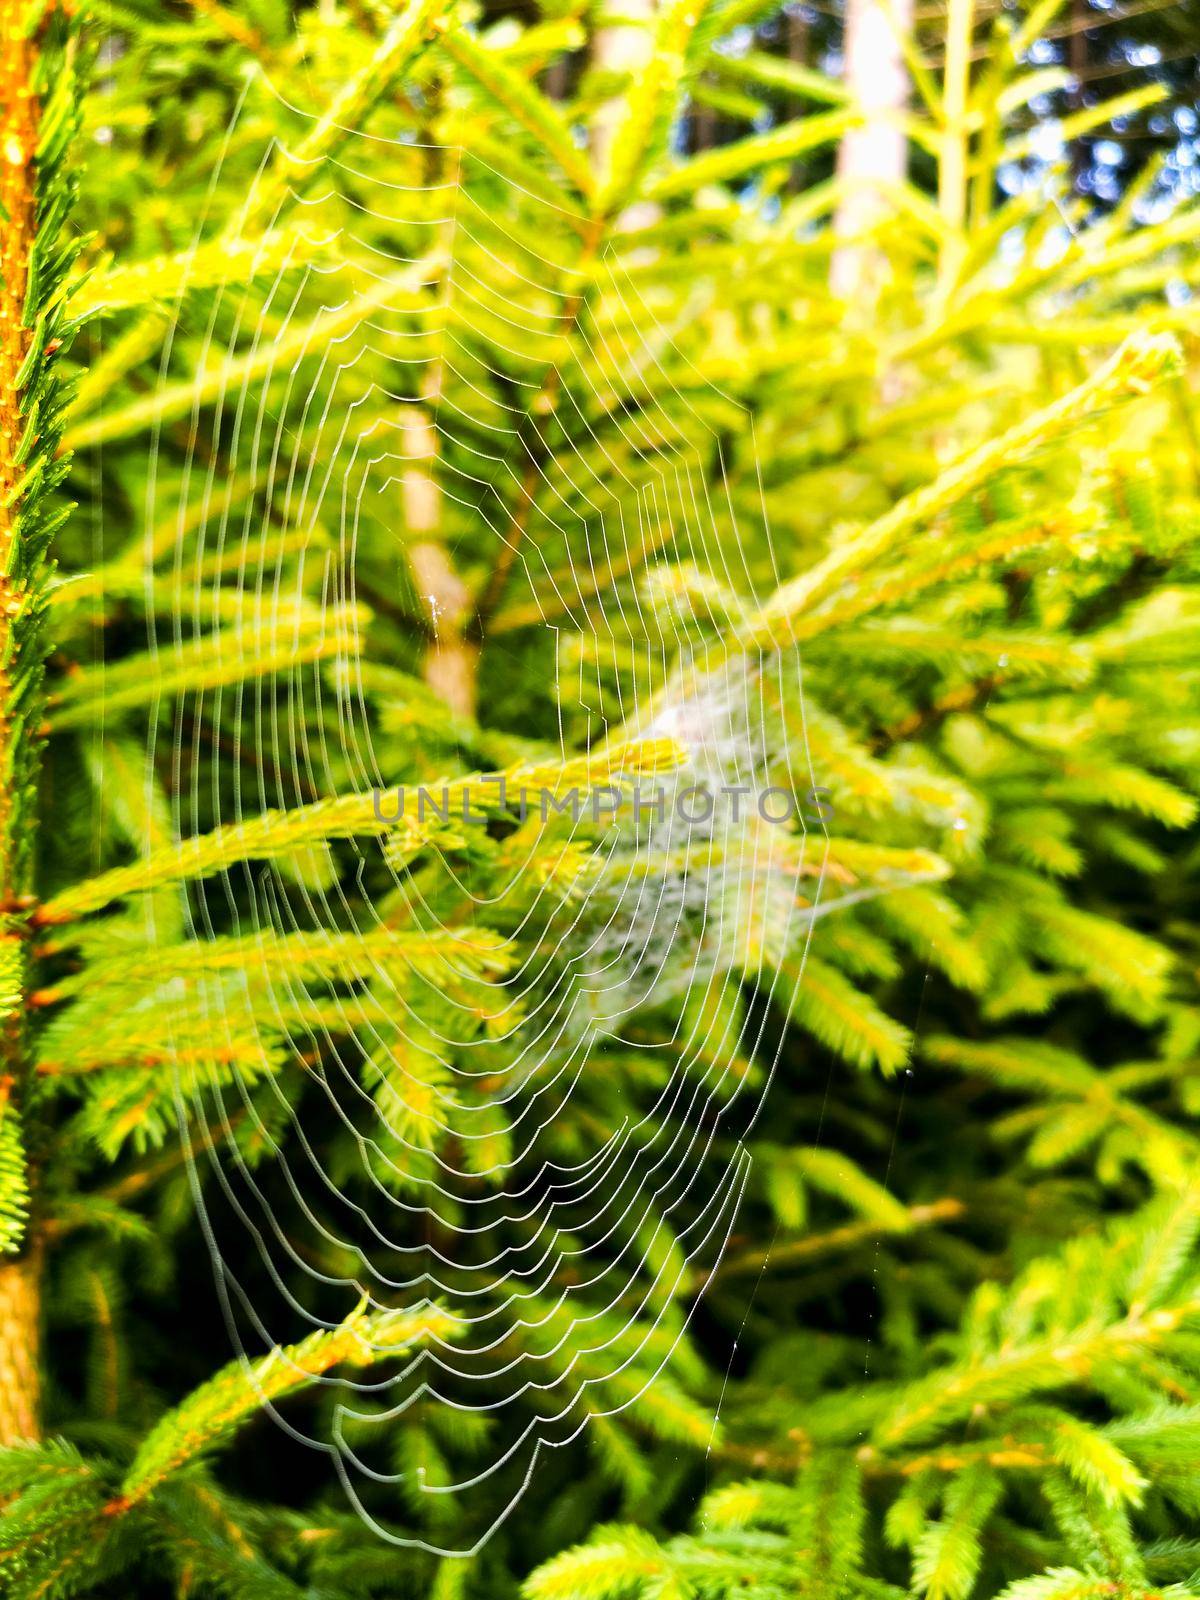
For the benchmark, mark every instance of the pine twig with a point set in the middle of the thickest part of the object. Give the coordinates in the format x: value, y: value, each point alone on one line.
x: 947, y: 1209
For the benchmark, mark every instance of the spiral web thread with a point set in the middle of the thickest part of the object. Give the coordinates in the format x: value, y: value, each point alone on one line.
x: 566, y: 1307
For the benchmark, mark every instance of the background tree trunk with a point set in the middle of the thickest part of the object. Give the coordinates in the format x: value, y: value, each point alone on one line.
x: 452, y: 659
x: 19, y: 1348
x: 875, y: 156
x: 625, y: 47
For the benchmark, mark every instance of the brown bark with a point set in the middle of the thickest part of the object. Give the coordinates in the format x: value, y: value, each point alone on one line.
x: 452, y: 659
x: 20, y: 1317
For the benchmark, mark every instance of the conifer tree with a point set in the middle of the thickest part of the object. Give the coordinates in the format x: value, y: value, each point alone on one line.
x: 38, y: 106
x: 950, y: 1346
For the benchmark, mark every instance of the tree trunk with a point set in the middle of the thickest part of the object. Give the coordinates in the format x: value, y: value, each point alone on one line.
x: 20, y: 1317
x: 627, y: 46
x: 452, y: 659
x: 873, y: 157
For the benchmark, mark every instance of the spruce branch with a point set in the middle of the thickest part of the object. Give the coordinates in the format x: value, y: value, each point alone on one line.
x: 212, y: 1413
x: 279, y: 833
x: 443, y: 957
x: 1140, y: 363
x: 223, y: 376
x: 277, y: 642
x: 523, y: 101
x: 796, y: 1252
x: 38, y: 112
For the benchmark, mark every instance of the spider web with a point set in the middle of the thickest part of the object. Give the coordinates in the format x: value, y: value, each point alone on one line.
x: 393, y: 366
